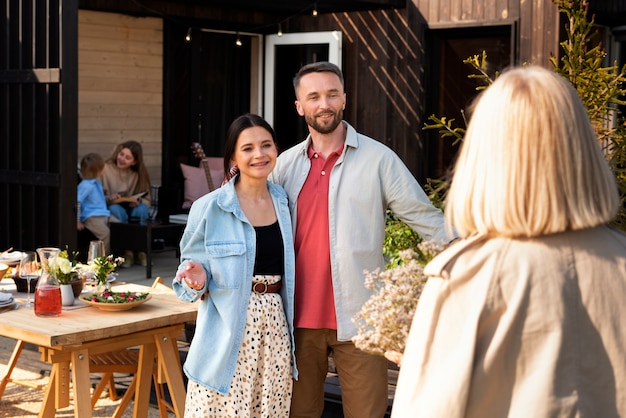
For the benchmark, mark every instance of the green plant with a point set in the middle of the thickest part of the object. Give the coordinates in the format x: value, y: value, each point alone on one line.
x: 104, y: 265
x: 601, y: 88
x: 398, y: 237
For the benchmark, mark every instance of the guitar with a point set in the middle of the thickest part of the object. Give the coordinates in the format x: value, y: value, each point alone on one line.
x: 198, y: 152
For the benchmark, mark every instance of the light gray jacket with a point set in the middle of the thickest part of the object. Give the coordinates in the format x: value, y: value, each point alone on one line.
x: 367, y: 179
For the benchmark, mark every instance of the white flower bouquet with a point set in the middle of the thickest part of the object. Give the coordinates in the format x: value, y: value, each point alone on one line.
x: 385, y: 319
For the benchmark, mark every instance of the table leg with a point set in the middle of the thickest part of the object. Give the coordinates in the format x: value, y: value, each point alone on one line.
x: 81, y: 383
x: 169, y: 362
x: 48, y: 409
x: 149, y: 251
x: 145, y: 366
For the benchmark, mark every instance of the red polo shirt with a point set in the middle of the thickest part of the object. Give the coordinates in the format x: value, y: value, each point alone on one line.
x: 315, y: 303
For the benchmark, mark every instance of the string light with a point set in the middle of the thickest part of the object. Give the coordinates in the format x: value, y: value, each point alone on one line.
x: 253, y: 31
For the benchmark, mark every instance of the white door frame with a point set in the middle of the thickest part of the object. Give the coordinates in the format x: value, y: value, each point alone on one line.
x: 332, y: 38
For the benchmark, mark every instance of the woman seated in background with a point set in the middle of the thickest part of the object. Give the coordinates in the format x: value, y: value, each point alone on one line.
x: 522, y: 316
x: 124, y: 178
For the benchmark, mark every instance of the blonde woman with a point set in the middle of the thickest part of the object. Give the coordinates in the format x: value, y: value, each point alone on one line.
x: 522, y: 317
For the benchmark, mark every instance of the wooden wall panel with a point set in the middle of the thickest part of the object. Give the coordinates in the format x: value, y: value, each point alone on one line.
x: 383, y: 61
x: 539, y: 31
x: 120, y: 85
x: 537, y: 21
x: 446, y: 12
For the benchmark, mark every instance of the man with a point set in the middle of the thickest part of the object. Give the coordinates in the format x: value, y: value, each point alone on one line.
x: 340, y: 184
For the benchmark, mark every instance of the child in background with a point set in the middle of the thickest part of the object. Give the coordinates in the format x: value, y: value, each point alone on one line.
x: 92, y: 207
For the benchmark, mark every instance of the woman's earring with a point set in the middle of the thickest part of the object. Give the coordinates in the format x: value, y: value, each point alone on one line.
x: 231, y: 173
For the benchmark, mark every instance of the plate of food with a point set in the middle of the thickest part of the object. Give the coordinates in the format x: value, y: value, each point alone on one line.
x: 115, y: 301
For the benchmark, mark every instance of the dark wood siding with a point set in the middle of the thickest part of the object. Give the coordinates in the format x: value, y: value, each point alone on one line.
x: 455, y: 11
x: 38, y: 87
x: 537, y: 22
x: 383, y: 59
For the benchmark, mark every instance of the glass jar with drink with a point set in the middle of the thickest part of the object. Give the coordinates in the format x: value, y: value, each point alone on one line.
x: 48, y: 291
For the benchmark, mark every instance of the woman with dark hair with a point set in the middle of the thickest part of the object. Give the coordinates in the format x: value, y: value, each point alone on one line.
x: 237, y: 258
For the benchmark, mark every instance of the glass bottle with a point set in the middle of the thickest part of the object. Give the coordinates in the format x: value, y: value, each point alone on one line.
x: 48, y: 291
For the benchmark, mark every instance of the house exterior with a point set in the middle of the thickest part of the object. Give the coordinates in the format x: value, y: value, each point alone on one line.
x: 80, y: 76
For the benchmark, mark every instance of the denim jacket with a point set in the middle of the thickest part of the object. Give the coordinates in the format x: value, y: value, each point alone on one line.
x: 367, y: 179
x: 219, y: 236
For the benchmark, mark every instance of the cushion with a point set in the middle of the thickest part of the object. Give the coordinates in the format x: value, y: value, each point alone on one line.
x: 196, y: 185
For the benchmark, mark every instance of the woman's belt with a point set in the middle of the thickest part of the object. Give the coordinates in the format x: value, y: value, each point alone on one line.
x: 260, y: 288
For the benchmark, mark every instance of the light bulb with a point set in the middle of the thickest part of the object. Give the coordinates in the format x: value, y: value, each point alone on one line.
x: 280, y: 30
x: 188, y: 36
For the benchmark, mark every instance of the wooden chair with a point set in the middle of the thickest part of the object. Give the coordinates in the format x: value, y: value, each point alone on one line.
x: 17, y: 350
x: 125, y: 361
x: 107, y: 363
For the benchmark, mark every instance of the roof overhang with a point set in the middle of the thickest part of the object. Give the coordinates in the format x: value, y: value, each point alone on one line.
x: 292, y: 7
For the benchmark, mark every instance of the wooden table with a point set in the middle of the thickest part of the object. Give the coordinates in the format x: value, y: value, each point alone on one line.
x: 66, y: 342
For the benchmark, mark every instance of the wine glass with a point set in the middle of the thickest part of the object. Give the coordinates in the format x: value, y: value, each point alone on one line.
x: 29, y: 269
x: 96, y: 249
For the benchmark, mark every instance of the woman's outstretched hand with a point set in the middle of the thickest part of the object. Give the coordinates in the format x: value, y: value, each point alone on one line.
x: 193, y: 274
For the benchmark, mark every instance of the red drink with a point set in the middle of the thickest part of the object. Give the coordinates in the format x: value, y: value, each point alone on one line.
x: 48, y: 301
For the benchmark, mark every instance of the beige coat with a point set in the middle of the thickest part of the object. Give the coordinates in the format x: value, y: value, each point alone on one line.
x: 123, y: 182
x: 520, y: 328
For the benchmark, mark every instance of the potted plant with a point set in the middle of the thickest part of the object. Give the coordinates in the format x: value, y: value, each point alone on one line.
x: 66, y: 271
x: 102, y: 267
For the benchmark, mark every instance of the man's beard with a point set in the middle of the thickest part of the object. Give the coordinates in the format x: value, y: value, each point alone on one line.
x: 327, y: 128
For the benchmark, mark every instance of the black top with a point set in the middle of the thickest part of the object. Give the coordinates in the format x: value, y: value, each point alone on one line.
x: 270, y: 256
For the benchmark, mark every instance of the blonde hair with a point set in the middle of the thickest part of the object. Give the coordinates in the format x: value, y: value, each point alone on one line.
x: 91, y: 165
x: 530, y: 163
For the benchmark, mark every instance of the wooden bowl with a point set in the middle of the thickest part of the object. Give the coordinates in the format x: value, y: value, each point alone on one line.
x: 77, y: 286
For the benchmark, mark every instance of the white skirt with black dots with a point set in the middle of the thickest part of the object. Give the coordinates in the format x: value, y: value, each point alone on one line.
x: 262, y: 383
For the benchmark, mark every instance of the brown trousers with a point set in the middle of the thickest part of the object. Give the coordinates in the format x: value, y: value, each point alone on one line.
x: 362, y: 376
x: 99, y: 226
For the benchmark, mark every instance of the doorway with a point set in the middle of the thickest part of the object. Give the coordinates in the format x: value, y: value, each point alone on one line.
x: 451, y: 90
x: 284, y: 55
